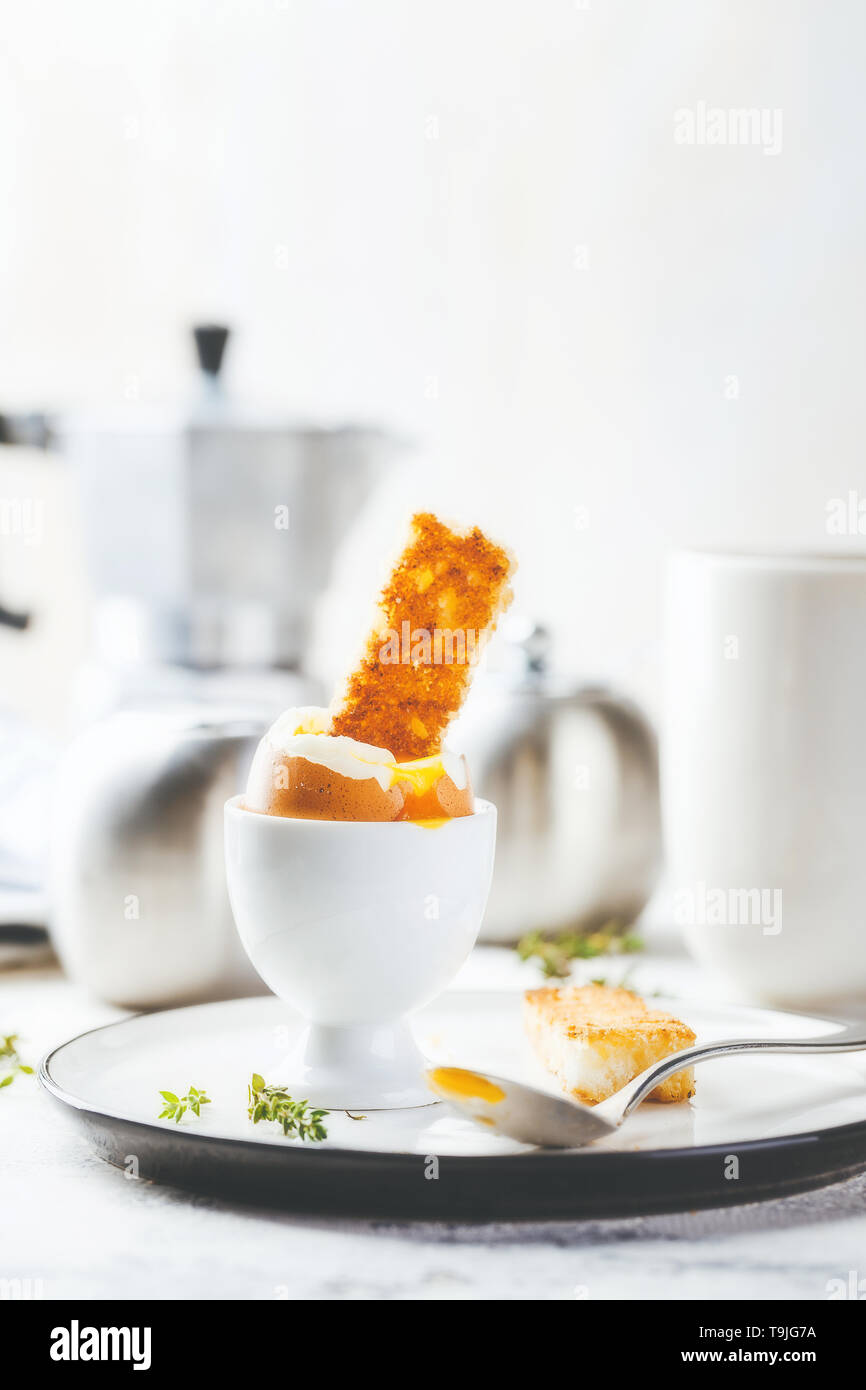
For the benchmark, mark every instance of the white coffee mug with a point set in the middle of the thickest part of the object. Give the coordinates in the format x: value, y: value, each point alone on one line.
x: 764, y: 770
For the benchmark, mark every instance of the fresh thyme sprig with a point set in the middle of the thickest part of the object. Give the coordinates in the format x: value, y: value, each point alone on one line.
x: 295, y: 1116
x: 177, y: 1106
x: 554, y: 953
x: 10, y: 1061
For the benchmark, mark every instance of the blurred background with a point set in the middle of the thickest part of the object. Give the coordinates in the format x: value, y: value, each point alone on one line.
x: 473, y: 257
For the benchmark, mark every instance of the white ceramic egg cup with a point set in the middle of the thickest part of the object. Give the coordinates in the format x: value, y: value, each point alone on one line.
x: 357, y: 924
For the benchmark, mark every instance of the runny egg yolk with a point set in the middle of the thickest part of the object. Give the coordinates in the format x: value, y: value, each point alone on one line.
x: 466, y: 1083
x: 422, y: 774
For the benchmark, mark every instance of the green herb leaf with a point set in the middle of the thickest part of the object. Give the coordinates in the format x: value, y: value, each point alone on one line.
x: 10, y: 1062
x: 176, y: 1106
x: 295, y: 1117
x: 555, y: 953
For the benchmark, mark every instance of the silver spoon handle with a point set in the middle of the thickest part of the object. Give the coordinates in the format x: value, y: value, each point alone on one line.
x: 849, y: 1038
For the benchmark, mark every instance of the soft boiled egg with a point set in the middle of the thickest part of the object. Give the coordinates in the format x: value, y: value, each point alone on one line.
x: 302, y: 771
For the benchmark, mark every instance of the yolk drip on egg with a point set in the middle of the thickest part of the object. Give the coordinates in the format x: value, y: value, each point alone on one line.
x: 422, y: 774
x: 430, y: 795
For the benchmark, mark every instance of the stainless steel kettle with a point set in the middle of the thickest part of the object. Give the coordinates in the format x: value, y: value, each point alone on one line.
x: 573, y: 772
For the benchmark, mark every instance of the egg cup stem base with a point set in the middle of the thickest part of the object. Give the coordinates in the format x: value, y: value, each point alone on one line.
x: 357, y: 1067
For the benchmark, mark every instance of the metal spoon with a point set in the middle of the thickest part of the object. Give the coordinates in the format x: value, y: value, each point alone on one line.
x: 535, y: 1117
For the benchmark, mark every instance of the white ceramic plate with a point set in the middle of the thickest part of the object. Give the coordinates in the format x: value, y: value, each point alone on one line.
x: 791, y: 1122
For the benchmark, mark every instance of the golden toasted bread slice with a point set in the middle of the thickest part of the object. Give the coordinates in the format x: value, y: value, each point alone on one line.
x: 595, y: 1039
x: 437, y: 610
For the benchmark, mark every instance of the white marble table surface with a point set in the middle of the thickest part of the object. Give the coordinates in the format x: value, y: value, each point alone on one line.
x: 77, y: 1226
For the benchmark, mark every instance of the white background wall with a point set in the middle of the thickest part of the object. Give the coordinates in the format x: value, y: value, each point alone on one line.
x: 470, y: 219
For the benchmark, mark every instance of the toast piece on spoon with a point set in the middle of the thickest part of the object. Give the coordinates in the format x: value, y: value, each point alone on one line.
x: 595, y: 1039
